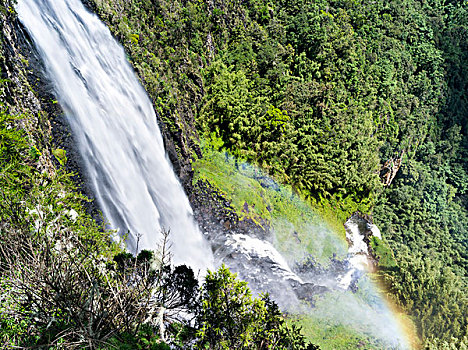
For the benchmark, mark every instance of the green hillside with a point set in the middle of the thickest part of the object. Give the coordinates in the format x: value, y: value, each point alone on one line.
x: 356, y: 105
x: 352, y: 105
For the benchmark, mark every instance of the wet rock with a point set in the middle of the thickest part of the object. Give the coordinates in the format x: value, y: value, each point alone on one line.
x: 309, y: 291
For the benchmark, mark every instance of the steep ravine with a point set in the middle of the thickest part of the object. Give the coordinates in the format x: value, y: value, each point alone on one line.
x: 212, y: 209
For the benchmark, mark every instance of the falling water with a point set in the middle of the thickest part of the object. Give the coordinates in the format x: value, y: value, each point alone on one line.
x: 114, y: 124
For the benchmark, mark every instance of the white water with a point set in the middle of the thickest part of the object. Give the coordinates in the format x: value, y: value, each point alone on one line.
x: 258, y: 249
x: 113, y: 121
x: 357, y: 253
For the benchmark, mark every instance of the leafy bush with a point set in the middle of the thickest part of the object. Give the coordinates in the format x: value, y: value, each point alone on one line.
x: 229, y: 318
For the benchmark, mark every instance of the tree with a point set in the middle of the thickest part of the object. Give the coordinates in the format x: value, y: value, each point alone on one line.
x: 229, y: 318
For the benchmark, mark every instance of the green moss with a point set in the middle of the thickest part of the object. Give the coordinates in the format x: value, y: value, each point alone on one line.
x: 60, y: 155
x: 332, y: 336
x: 299, y: 228
x: 383, y: 253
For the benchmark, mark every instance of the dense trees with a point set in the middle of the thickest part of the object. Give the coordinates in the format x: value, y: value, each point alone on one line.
x: 230, y: 318
x: 424, y: 215
x: 325, y: 95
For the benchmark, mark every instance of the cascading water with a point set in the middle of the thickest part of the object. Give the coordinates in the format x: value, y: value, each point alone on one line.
x: 115, y: 127
x: 307, y: 269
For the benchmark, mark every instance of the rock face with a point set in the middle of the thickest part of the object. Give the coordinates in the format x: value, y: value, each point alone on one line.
x: 28, y: 90
x: 265, y: 269
x: 18, y: 92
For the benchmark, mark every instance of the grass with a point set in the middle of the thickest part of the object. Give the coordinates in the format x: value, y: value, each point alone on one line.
x: 383, y: 253
x: 332, y: 336
x: 299, y: 229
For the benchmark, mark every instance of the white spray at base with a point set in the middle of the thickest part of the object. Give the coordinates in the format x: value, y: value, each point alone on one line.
x: 365, y: 309
x: 114, y: 124
x: 307, y: 269
x: 334, y: 302
x: 358, y: 249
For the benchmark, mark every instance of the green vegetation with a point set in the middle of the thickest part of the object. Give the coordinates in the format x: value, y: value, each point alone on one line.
x: 66, y: 284
x: 350, y: 103
x: 231, y: 319
x: 354, y: 104
x: 332, y: 336
x: 322, y: 95
x: 255, y: 196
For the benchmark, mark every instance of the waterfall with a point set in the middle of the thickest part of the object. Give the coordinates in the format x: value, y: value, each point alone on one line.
x: 115, y: 127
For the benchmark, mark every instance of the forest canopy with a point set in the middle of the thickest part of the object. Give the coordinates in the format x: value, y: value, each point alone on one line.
x: 353, y: 102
